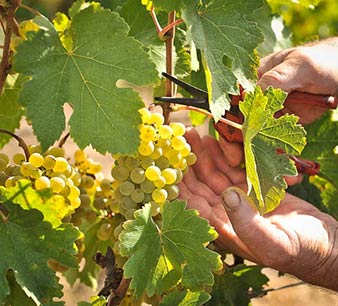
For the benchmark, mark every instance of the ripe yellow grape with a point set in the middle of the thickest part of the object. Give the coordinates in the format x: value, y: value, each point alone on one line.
x: 80, y: 156
x: 60, y: 164
x: 156, y: 119
x: 178, y: 143
x: 42, y: 182
x: 147, y: 133
x: 74, y: 193
x: 36, y: 159
x: 159, y: 195
x: 178, y: 128
x: 191, y: 158
x: 165, y: 131
x: 57, y: 184
x: 145, y: 115
x: 27, y: 169
x: 153, y: 173
x: 49, y: 162
x: 146, y: 148
x: 160, y: 182
x: 170, y: 175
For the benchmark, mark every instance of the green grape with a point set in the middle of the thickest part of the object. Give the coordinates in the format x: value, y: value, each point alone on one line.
x: 36, y: 173
x: 49, y: 162
x: 126, y: 188
x: 105, y: 185
x: 65, y: 191
x: 159, y: 195
x: 147, y: 133
x: 117, y: 230
x: 137, y: 175
x: 137, y: 195
x: 147, y: 162
x: 18, y: 158
x: 173, y: 192
x: 132, y: 163
x: 120, y: 173
x: 178, y: 143
x: 87, y: 182
x: 3, y: 165
x: 10, y: 182
x: 165, y: 132
x: 57, y: 184
x: 117, y: 194
x: 155, y: 209
x: 91, y: 216
x: 4, y: 157
x: 170, y: 175
x: 162, y: 162
x: 56, y: 151
x: 9, y: 169
x: 146, y: 148
x: 153, y: 173
x: 42, y: 182
x: 27, y: 169
x: 3, y: 178
x: 178, y: 128
x: 114, y: 206
x: 129, y: 214
x: 164, y: 144
x: 191, y: 158
x: 105, y: 231
x: 36, y: 159
x: 173, y: 156
x: 147, y: 186
x: 85, y: 200
x: 69, y: 171
x: 99, y: 203
x: 16, y: 171
x: 34, y: 149
x: 60, y: 164
x: 128, y: 203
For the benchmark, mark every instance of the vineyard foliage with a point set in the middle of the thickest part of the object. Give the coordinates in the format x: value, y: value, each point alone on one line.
x: 61, y: 215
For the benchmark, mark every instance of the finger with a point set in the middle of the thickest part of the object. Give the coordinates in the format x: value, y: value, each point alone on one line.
x: 232, y: 151
x: 194, y: 139
x: 289, y: 76
x: 272, y: 60
x: 265, y: 240
x: 235, y: 175
x: 294, y: 180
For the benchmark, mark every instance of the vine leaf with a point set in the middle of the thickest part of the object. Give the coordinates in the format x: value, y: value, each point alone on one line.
x: 27, y: 243
x: 232, y: 287
x: 227, y: 40
x: 185, y: 297
x: 162, y: 256
x: 10, y: 110
x: 85, y: 76
x: 53, y: 207
x: 263, y: 135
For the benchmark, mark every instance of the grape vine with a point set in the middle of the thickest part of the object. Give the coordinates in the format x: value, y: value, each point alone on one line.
x: 68, y: 215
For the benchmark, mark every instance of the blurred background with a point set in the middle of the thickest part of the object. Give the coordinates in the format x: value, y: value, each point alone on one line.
x: 305, y: 24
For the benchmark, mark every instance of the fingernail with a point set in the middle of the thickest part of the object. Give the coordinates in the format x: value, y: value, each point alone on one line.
x: 231, y: 199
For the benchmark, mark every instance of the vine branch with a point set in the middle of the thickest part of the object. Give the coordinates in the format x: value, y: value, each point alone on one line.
x: 21, y: 142
x: 266, y: 291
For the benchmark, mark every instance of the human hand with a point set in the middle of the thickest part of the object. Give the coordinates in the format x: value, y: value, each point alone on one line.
x: 311, y: 68
x: 295, y: 238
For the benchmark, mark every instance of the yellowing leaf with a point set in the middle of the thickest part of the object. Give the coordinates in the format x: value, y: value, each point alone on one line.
x: 263, y: 135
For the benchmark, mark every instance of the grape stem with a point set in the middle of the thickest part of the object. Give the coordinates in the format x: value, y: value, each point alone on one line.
x: 119, y: 293
x: 63, y: 140
x: 21, y: 142
x: 204, y: 112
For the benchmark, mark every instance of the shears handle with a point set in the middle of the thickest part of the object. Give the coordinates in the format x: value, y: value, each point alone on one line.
x: 298, y: 97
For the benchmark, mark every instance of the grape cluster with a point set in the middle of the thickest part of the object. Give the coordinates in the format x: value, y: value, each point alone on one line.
x: 50, y: 170
x: 152, y: 175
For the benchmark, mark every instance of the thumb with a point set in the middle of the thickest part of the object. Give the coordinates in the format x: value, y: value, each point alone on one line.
x: 255, y: 231
x: 287, y: 76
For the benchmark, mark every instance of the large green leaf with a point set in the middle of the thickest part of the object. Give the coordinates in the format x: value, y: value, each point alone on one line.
x: 263, y: 135
x: 160, y: 256
x: 85, y: 76
x: 27, y: 243
x: 10, y: 111
x: 232, y: 287
x: 53, y: 207
x: 228, y: 40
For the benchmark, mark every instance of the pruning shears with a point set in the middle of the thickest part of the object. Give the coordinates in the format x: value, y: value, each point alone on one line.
x: 200, y: 100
